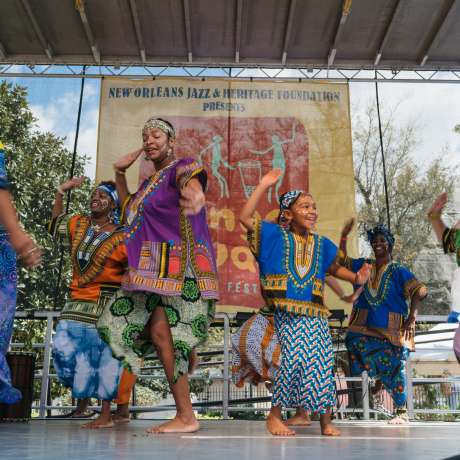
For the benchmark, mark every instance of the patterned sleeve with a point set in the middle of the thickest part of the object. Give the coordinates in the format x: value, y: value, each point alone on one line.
x: 4, y: 184
x: 264, y: 235
x: 60, y: 228
x: 449, y: 238
x: 410, y: 284
x: 348, y: 262
x: 330, y: 252
x: 186, y: 169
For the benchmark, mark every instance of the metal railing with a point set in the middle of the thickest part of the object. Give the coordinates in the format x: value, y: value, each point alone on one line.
x: 225, y: 404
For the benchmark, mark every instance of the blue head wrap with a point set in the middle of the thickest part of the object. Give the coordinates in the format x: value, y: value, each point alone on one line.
x: 286, y: 201
x: 112, y: 192
x: 381, y: 229
x: 288, y: 198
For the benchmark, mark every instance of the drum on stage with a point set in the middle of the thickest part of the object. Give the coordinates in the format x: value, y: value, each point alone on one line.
x: 22, y: 366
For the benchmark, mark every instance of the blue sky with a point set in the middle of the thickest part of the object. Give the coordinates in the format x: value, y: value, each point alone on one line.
x: 435, y: 108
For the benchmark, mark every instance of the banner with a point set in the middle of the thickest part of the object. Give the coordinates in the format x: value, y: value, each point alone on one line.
x: 239, y: 130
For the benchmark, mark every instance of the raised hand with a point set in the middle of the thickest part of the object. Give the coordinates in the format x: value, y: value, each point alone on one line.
x: 409, y: 327
x: 363, y: 274
x: 72, y: 183
x: 192, y: 198
x: 347, y: 228
x: 271, y: 178
x: 438, y: 204
x: 127, y: 160
x: 26, y: 248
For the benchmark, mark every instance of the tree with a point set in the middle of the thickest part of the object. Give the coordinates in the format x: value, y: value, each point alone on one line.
x: 36, y: 164
x: 412, y: 185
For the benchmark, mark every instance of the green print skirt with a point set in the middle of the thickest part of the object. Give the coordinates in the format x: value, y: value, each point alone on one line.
x: 124, y: 320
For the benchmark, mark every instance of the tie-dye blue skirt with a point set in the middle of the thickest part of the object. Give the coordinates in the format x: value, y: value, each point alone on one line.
x: 8, y: 282
x: 83, y: 362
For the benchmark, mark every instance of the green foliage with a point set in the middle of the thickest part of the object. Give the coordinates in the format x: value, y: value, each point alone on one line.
x: 37, y: 163
x: 412, y: 185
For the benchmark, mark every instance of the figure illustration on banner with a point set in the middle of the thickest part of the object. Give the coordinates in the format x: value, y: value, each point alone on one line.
x: 216, y: 161
x: 278, y: 160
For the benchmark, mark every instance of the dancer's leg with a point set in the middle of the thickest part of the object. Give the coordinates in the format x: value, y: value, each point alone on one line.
x: 103, y: 421
x: 327, y: 428
x: 185, y: 420
x: 301, y: 418
x: 275, y: 424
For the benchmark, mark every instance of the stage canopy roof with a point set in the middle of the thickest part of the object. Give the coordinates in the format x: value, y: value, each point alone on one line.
x: 382, y: 34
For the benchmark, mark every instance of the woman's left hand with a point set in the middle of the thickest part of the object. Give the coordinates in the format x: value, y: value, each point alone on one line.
x: 409, y: 327
x: 192, y: 198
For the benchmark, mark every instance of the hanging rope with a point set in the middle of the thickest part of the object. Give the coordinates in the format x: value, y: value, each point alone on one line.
x: 385, y: 185
x: 69, y: 192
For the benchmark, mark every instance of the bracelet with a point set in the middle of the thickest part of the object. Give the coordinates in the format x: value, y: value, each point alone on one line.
x: 343, y: 238
x: 434, y: 215
x: 60, y: 191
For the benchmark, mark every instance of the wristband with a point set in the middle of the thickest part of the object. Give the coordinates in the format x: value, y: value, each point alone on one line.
x: 434, y: 215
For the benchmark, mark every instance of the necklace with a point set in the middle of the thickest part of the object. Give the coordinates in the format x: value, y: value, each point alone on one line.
x: 97, y: 227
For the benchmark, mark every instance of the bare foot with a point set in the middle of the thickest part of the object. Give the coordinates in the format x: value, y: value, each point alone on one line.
x: 277, y: 427
x: 330, y: 430
x: 119, y: 418
x: 176, y: 425
x: 299, y: 420
x: 399, y: 420
x: 100, y: 422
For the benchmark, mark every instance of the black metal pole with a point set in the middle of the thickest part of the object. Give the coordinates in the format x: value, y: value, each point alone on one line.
x: 385, y: 185
x: 72, y: 172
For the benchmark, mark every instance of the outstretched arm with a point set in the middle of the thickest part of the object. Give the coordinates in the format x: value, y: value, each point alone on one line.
x: 360, y: 277
x: 23, y: 244
x: 261, y: 152
x: 247, y: 214
x: 58, y: 207
x: 335, y: 286
x: 344, y: 235
x: 434, y: 215
x: 292, y: 138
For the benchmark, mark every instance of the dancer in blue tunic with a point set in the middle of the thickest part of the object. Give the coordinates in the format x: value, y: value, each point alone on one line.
x: 293, y: 264
x: 382, y: 324
x: 12, y: 240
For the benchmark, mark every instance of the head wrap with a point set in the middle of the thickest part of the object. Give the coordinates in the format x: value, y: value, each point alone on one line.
x: 288, y: 198
x: 153, y: 122
x: 112, y: 192
x: 286, y: 201
x: 381, y: 229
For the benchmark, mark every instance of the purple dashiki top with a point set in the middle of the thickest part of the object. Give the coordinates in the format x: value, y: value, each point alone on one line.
x: 162, y: 242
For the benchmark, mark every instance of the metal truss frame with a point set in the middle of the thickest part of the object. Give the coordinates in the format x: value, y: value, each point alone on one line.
x: 252, y: 72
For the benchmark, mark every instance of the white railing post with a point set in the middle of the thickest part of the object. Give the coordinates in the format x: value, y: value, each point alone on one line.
x: 365, y: 395
x: 226, y: 375
x: 46, y: 366
x: 410, y: 389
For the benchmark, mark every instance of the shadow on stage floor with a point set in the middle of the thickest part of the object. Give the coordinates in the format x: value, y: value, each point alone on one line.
x: 222, y: 440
